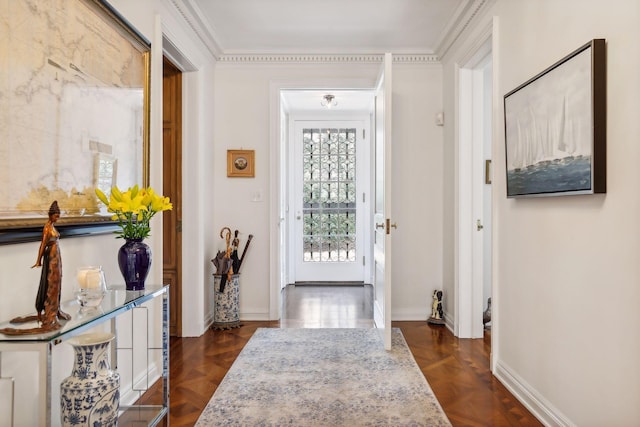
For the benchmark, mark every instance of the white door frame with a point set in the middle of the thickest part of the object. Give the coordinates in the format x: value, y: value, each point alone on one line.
x: 277, y: 185
x: 470, y: 144
x: 363, y: 167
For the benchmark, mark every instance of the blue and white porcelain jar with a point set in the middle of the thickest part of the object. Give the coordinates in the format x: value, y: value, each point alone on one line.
x: 226, y: 302
x: 90, y: 396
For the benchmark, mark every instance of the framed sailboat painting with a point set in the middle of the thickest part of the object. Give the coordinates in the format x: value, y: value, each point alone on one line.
x: 555, y: 128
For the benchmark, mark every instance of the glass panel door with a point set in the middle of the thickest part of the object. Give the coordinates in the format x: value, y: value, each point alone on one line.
x: 329, y: 194
x: 328, y: 214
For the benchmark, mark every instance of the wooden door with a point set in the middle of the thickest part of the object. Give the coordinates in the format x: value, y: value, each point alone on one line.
x: 172, y: 187
x: 382, y: 205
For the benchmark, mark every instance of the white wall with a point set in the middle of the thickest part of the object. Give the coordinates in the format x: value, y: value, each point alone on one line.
x: 566, y: 286
x: 417, y: 190
x: 243, y: 120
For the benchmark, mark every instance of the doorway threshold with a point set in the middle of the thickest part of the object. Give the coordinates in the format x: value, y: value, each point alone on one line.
x: 329, y: 283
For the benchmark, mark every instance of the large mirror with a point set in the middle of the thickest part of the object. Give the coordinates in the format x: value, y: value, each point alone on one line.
x: 74, y: 113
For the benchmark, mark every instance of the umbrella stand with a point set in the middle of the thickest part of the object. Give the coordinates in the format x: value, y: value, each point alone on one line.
x: 226, y: 297
x: 226, y: 313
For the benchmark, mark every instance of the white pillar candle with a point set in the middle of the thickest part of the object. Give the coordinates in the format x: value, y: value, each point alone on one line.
x: 89, y: 277
x: 93, y: 279
x: 81, y: 277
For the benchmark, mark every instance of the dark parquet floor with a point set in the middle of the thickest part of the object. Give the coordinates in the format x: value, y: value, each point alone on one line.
x: 456, y: 369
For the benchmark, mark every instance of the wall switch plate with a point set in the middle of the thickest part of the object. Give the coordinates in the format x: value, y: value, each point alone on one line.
x: 256, y: 196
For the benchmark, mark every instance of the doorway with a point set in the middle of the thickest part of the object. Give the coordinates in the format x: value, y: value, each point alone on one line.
x: 172, y: 187
x: 474, y: 261
x: 325, y: 181
x: 328, y: 198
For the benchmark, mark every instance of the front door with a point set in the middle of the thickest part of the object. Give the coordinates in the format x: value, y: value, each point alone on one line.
x: 382, y: 205
x: 329, y: 165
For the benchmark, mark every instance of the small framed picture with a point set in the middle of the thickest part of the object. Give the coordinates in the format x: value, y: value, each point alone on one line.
x: 241, y: 163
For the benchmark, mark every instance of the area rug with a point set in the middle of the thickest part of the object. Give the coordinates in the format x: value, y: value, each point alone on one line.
x: 323, y: 377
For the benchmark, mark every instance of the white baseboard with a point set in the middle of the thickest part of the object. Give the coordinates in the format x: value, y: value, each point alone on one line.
x: 448, y: 321
x: 249, y: 316
x: 540, y: 407
x: 208, y: 321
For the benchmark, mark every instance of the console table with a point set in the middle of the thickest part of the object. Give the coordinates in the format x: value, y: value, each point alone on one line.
x: 116, y: 302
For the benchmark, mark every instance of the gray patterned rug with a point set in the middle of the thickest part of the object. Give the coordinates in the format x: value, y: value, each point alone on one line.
x: 323, y: 377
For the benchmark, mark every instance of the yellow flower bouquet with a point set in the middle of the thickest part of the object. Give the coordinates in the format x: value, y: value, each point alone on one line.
x: 133, y: 209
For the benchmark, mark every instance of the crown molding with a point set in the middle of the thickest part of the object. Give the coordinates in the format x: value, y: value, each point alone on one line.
x: 415, y: 58
x: 323, y: 58
x: 463, y: 16
x: 191, y: 14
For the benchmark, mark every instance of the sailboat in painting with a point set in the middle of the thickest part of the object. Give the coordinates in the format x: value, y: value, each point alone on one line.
x: 549, y: 155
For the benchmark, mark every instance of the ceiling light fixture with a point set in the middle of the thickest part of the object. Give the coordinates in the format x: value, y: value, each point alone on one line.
x: 329, y: 101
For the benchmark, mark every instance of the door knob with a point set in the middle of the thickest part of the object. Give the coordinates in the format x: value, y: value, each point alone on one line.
x: 479, y: 225
x: 390, y: 226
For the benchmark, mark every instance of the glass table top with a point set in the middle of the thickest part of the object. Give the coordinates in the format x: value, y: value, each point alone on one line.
x: 116, y: 300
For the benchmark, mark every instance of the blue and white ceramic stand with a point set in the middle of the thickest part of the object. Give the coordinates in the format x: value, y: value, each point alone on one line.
x: 226, y: 311
x: 91, y: 395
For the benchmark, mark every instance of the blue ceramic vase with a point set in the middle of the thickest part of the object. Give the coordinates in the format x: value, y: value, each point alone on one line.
x: 134, y: 260
x: 90, y: 396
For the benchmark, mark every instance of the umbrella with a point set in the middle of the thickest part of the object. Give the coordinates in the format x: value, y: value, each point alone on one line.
x: 244, y: 252
x: 218, y: 262
x: 227, y: 262
x: 234, y: 253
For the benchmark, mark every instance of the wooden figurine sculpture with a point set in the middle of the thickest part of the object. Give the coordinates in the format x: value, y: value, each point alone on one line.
x: 48, y: 298
x: 437, y: 314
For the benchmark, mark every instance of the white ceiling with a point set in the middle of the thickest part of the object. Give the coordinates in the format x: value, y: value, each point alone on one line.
x: 329, y: 27
x: 306, y: 101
